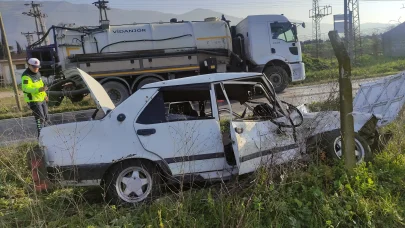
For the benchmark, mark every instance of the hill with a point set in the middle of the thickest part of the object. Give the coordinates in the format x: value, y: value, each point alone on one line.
x: 86, y: 14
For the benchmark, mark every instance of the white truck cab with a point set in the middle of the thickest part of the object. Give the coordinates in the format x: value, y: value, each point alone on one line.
x: 158, y: 135
x: 271, y: 40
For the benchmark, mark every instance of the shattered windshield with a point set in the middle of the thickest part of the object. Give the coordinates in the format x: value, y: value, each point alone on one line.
x: 284, y: 31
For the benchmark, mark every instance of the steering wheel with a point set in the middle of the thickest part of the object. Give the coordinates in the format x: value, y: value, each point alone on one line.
x: 290, y: 111
x: 264, y: 110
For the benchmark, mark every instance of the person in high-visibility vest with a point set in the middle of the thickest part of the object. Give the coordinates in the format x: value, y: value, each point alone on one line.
x: 34, y: 91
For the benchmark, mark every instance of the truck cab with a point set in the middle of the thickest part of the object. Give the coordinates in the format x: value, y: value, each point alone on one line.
x: 271, y: 46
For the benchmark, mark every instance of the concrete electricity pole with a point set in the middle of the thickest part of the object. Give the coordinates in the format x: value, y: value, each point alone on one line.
x: 10, y: 63
x: 29, y: 36
x: 36, y: 13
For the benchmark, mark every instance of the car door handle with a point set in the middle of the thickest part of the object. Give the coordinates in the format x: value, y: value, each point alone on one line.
x: 146, y: 131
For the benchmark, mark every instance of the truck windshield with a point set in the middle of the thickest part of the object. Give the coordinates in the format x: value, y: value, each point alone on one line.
x: 283, y: 31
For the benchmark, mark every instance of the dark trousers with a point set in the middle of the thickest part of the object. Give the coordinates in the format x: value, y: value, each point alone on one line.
x: 40, y: 112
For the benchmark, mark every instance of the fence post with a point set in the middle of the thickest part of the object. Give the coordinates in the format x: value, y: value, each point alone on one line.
x: 346, y: 100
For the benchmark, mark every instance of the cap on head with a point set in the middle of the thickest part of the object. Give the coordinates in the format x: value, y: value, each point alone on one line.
x: 34, y: 62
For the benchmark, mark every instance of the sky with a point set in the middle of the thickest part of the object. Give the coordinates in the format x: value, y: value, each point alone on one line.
x: 374, y: 11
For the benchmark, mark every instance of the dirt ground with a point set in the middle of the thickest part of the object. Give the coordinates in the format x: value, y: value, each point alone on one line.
x: 9, y: 94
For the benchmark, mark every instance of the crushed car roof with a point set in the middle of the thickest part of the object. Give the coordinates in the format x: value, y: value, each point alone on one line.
x: 199, y: 79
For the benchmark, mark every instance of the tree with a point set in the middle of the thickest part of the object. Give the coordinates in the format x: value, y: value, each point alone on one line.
x: 19, y: 49
x: 2, y: 54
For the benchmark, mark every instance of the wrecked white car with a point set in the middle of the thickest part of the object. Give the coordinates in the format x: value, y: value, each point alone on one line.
x: 205, y: 127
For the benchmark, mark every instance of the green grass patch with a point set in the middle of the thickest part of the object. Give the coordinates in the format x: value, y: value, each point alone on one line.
x: 9, y: 109
x: 310, y: 195
x: 322, y: 71
x: 328, y: 105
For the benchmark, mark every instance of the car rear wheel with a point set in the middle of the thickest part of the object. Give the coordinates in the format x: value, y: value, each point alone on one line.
x: 132, y: 182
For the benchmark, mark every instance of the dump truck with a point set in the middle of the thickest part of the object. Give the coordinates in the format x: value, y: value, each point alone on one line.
x: 123, y: 58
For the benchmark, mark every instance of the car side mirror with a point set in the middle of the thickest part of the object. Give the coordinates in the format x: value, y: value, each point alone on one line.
x: 303, y: 24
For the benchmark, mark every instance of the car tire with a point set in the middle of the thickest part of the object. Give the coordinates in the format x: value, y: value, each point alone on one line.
x: 278, y: 77
x: 331, y: 144
x: 116, y: 91
x: 145, y: 182
x: 147, y: 81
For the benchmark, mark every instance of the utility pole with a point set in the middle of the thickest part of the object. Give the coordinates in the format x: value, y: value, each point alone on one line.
x: 10, y: 63
x: 29, y: 36
x: 317, y: 13
x: 36, y: 13
x: 102, y: 7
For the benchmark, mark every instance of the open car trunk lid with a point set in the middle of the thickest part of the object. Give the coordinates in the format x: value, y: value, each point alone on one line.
x: 98, y: 93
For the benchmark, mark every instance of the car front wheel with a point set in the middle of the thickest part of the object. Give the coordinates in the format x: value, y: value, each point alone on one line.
x: 132, y: 182
x: 332, y: 143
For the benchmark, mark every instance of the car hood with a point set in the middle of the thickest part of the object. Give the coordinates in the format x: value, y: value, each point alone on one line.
x: 97, y: 92
x: 384, y: 97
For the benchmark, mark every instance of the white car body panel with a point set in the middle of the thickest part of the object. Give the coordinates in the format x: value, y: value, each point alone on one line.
x: 260, y: 144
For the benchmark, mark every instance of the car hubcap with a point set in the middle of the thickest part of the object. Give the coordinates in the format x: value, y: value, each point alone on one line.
x: 133, y: 184
x: 359, y: 149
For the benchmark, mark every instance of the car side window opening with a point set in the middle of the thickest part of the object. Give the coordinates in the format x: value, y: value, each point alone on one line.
x: 178, y: 103
x: 247, y: 102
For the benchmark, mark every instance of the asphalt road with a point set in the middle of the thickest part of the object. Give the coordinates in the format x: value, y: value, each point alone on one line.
x: 22, y: 129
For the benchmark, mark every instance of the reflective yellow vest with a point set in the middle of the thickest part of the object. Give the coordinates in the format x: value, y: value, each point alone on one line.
x: 31, y: 83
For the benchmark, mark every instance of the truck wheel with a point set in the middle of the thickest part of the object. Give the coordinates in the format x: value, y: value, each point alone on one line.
x: 278, y: 77
x: 117, y: 91
x: 133, y: 181
x: 146, y: 81
x: 332, y: 144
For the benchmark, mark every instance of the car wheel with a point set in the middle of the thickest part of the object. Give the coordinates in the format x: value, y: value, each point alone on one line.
x: 132, y: 182
x: 332, y: 143
x: 116, y: 91
x: 278, y: 77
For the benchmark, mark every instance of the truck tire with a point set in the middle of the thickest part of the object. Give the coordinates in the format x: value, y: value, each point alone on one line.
x: 117, y: 91
x: 147, y: 81
x: 332, y: 144
x: 132, y: 182
x: 278, y: 77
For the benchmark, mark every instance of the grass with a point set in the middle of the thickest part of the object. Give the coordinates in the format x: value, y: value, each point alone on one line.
x: 306, y: 195
x: 322, y: 71
x: 8, y: 107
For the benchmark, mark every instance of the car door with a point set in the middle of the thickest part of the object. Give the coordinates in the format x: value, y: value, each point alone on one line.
x: 257, y: 142
x: 188, y: 142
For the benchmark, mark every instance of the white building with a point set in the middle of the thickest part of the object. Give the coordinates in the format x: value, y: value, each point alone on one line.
x: 20, y: 64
